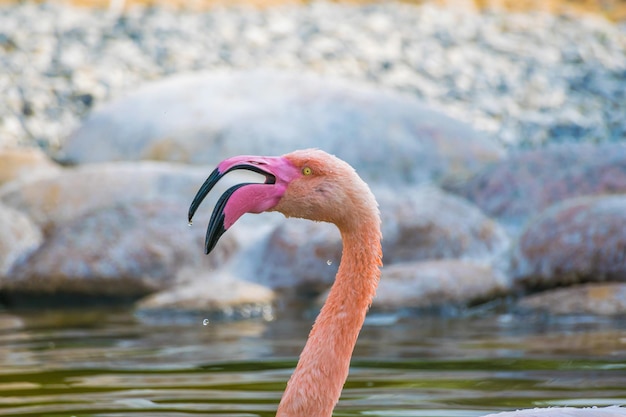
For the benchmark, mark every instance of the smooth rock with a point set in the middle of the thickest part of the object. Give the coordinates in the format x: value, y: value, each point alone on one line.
x: 605, y: 299
x: 213, y: 293
x: 523, y: 79
x: 527, y: 182
x: 19, y: 237
x: 439, y: 283
x: 206, y: 117
x: 428, y: 223
x: 299, y: 255
x: 417, y: 224
x: 17, y: 163
x: 117, y: 253
x: 578, y: 240
x: 64, y: 197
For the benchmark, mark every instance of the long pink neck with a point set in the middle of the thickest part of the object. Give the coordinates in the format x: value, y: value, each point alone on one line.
x: 316, y: 384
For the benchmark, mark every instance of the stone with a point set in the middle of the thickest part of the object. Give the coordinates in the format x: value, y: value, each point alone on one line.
x: 54, y: 200
x: 206, y: 117
x: 606, y: 299
x: 578, y: 240
x: 115, y: 254
x: 438, y: 285
x: 17, y: 163
x: 19, y: 237
x: 522, y: 79
x: 428, y: 223
x: 299, y: 255
x: 528, y: 182
x: 417, y: 224
x: 213, y: 294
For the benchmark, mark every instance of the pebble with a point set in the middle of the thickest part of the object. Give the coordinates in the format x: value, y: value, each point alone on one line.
x: 525, y: 80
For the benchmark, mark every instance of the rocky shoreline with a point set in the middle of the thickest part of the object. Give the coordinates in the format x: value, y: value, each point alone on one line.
x: 432, y: 107
x: 524, y: 80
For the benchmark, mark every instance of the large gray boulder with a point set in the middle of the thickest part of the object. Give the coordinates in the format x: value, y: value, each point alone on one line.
x: 206, y: 117
x: 527, y: 182
x: 439, y: 284
x: 428, y: 223
x: 19, y: 237
x: 18, y: 163
x: 606, y: 299
x: 212, y: 293
x: 418, y: 224
x: 579, y: 240
x: 117, y: 253
x: 71, y: 193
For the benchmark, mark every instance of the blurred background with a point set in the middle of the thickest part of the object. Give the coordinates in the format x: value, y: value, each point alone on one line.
x: 491, y: 132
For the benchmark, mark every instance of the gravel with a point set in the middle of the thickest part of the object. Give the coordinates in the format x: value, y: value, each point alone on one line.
x: 526, y: 80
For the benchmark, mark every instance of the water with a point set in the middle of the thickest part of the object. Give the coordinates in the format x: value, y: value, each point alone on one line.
x: 116, y: 363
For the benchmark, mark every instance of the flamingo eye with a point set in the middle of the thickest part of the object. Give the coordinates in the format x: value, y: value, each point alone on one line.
x: 307, y: 171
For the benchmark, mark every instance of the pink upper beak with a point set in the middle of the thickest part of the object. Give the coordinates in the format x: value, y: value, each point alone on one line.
x: 246, y: 197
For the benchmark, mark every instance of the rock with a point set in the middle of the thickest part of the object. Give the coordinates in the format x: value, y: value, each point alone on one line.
x: 74, y: 192
x: 524, y: 79
x: 418, y: 224
x: 17, y: 163
x: 117, y: 253
x: 438, y: 284
x: 19, y: 236
x: 578, y: 240
x: 300, y: 255
x: 427, y: 223
x: 213, y: 294
x: 605, y: 299
x: 206, y: 117
x: 527, y: 182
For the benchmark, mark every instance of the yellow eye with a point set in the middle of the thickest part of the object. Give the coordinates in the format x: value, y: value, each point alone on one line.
x: 306, y: 171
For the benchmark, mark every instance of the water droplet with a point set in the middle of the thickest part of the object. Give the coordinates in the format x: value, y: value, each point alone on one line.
x: 329, y: 262
x: 190, y: 223
x: 205, y: 322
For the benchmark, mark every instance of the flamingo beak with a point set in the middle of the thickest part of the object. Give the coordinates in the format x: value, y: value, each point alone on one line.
x: 245, y: 197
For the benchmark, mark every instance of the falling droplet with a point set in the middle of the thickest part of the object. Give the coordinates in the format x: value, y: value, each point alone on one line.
x: 190, y: 223
x: 205, y: 322
x: 329, y: 262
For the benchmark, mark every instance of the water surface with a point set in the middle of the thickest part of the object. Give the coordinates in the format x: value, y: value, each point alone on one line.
x: 117, y: 363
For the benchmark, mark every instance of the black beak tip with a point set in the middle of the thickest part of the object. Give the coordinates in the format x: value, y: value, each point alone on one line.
x: 214, y: 231
x: 208, y: 185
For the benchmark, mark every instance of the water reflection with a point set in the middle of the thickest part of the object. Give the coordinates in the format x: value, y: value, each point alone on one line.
x: 114, y: 363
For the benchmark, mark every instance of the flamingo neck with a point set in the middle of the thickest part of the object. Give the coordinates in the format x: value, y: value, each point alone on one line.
x: 316, y: 384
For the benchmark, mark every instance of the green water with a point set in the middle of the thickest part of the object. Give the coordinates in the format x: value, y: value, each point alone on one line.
x: 99, y: 363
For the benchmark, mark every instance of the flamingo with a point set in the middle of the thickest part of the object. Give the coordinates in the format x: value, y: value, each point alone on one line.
x: 315, y: 185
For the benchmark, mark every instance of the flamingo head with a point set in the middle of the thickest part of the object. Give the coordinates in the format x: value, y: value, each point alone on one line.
x: 309, y: 184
